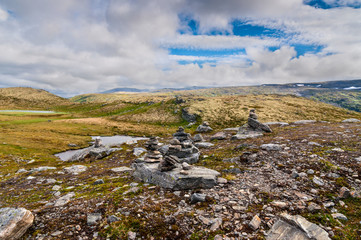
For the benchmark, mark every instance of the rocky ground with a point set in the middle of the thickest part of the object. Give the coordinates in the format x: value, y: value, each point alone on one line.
x: 312, y: 170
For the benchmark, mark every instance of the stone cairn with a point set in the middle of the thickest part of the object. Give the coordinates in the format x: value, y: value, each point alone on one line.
x: 181, y: 146
x: 152, y: 146
x: 255, y: 124
x: 204, y: 127
x: 253, y: 128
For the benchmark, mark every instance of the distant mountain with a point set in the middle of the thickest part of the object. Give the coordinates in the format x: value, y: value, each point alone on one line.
x: 180, y: 89
x: 114, y: 90
x: 340, y: 84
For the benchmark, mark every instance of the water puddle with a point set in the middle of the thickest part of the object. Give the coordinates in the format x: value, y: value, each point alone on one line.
x: 109, y: 141
x: 26, y: 111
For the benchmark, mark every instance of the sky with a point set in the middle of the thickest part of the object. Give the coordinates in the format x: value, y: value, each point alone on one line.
x: 72, y: 47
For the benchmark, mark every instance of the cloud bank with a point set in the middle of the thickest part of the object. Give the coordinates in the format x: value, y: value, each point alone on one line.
x: 72, y: 47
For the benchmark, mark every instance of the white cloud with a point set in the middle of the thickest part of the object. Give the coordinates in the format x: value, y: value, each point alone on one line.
x: 3, y: 15
x: 93, y: 45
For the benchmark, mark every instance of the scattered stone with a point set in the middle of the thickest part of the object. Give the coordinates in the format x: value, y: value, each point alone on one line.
x: 215, y: 224
x: 318, y: 181
x: 138, y: 151
x: 344, y: 192
x: 197, y: 197
x: 294, y: 174
x: 21, y: 170
x: 75, y: 169
x: 198, y: 138
x: 204, y: 127
x: 313, y: 207
x: 72, y: 145
x: 314, y: 144
x: 255, y: 223
x: 132, y: 235
x: 329, y: 204
x: 41, y: 169
x: 351, y: 120
x: 56, y: 188
x: 333, y: 175
x: 339, y: 216
x: 204, y: 145
x: 222, y: 180
x: 281, y: 124
x: 14, y: 222
x: 98, y: 181
x: 303, y: 174
x: 64, y: 199
x: 296, y: 228
x: 112, y: 219
x: 337, y: 150
x: 57, y: 233
x: 93, y: 218
x: 219, y: 136
x: 304, y: 122
x: 310, y: 171
x: 279, y: 204
x: 271, y: 147
x: 121, y: 169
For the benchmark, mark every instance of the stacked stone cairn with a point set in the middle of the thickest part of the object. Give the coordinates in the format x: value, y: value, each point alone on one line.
x: 253, y: 128
x: 183, y: 148
x: 255, y: 124
x: 152, y: 146
x: 172, y: 169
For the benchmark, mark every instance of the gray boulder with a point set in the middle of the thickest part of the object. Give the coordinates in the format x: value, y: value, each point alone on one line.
x: 176, y: 179
x: 198, y: 138
x: 271, y: 147
x: 204, y: 145
x: 219, y: 136
x: 304, y: 122
x: 204, y: 127
x: 189, y: 117
x: 296, y: 228
x: 75, y: 169
x: 14, y: 222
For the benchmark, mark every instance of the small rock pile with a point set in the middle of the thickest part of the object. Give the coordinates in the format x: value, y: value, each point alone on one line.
x: 153, y: 155
x: 182, y: 147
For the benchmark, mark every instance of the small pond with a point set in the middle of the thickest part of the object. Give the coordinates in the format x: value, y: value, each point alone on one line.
x: 109, y: 141
x: 26, y: 111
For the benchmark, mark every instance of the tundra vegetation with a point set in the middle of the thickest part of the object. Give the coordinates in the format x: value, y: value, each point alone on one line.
x: 30, y: 140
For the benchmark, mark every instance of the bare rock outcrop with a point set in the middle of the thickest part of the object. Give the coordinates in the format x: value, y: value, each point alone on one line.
x: 296, y: 228
x: 14, y: 222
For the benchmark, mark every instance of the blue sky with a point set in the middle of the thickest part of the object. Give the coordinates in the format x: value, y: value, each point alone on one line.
x: 71, y: 47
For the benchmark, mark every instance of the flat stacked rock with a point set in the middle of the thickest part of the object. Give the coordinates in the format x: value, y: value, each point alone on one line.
x: 204, y: 127
x: 179, y: 178
x: 14, y: 222
x: 182, y: 147
x: 152, y: 146
x: 252, y: 129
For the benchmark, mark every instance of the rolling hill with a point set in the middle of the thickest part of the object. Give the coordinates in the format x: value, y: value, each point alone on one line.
x: 29, y: 98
